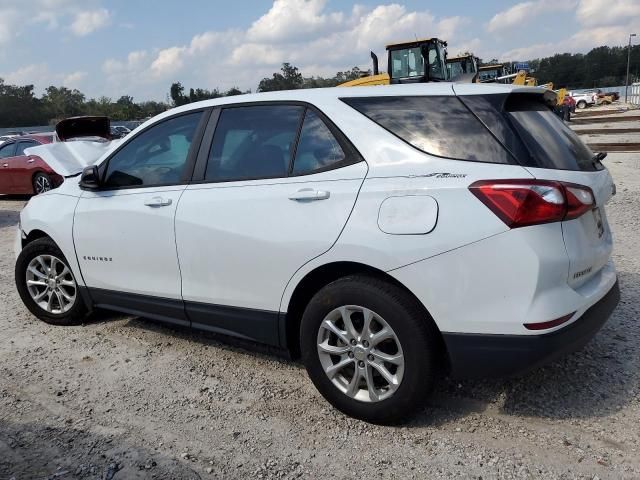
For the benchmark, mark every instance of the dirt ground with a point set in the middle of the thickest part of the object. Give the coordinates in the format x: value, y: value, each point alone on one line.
x: 123, y: 398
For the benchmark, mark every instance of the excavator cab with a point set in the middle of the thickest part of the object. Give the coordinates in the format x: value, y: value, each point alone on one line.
x: 418, y: 61
x: 409, y: 62
x: 462, y: 66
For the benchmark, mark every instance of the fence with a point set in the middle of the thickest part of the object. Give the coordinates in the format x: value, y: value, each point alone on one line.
x: 634, y: 93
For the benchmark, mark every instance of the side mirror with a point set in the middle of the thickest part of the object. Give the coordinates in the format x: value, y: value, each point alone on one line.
x: 90, y: 178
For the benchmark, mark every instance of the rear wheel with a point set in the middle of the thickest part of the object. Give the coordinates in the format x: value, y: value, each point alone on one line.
x: 41, y: 183
x: 47, y: 285
x: 369, y: 349
x: 581, y: 104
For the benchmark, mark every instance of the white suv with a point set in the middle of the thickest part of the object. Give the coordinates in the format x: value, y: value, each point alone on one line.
x: 387, y: 235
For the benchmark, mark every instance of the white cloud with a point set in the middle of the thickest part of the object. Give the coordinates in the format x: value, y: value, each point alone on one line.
x: 74, y: 79
x: 40, y: 75
x: 169, y: 61
x: 89, y: 21
x: 8, y: 23
x: 292, y: 19
x: 522, y: 14
x: 607, y: 12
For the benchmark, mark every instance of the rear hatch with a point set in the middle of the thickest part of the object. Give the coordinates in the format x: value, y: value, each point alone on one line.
x: 541, y: 142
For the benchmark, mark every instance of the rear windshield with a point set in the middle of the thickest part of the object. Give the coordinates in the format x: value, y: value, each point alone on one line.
x: 535, y: 135
x: 438, y: 125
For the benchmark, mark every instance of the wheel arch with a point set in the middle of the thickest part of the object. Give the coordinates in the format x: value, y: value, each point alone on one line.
x: 321, y: 276
x: 34, y: 235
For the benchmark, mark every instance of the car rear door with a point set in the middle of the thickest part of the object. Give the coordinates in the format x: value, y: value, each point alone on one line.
x: 262, y: 204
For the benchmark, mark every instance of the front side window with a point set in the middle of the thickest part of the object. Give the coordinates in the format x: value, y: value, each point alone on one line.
x: 253, y: 142
x: 7, y: 150
x: 157, y: 156
x: 317, y: 148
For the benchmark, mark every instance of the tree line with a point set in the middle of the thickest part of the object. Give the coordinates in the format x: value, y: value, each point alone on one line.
x: 601, y: 67
x: 20, y: 107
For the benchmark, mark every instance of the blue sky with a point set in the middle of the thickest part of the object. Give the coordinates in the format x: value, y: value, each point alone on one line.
x: 139, y: 47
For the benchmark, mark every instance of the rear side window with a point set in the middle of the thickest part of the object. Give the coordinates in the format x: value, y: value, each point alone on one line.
x: 532, y: 132
x: 253, y: 142
x: 437, y: 125
x: 7, y: 150
x: 22, y: 146
x: 317, y: 148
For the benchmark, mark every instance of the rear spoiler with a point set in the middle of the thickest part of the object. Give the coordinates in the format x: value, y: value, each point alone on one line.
x: 77, y: 127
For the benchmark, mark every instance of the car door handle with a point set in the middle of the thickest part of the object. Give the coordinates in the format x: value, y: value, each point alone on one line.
x: 5, y: 164
x: 157, y: 202
x: 309, y: 195
x: 31, y: 160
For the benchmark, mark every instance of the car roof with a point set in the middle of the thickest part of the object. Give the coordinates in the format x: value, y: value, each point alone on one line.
x: 323, y: 96
x: 313, y: 95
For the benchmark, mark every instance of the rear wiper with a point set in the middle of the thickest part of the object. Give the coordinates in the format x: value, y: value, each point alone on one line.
x: 598, y: 157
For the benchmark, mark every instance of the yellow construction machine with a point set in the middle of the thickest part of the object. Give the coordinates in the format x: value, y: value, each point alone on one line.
x: 462, y: 66
x: 415, y: 61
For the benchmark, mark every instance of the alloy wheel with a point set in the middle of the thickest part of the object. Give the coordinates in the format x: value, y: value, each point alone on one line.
x: 360, y: 353
x: 51, y: 284
x: 43, y: 184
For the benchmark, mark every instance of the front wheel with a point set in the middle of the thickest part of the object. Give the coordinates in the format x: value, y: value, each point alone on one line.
x: 369, y: 348
x: 47, y: 285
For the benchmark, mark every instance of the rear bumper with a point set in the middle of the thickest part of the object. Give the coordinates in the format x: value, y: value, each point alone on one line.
x: 484, y: 355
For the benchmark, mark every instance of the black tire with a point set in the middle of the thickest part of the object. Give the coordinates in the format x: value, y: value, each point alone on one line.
x: 41, y: 183
x: 45, y: 246
x: 581, y: 104
x: 415, y: 330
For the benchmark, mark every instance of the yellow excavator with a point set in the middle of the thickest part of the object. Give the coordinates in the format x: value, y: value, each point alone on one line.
x: 415, y: 61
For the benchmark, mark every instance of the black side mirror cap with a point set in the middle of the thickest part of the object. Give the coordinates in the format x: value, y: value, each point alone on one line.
x: 90, y: 178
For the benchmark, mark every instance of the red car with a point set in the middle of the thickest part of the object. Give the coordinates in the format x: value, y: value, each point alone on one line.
x: 26, y: 174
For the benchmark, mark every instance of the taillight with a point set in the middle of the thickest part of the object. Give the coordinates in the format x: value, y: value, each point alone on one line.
x: 520, y: 203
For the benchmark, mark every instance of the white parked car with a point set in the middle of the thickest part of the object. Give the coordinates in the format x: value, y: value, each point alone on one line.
x: 387, y: 235
x: 585, y: 99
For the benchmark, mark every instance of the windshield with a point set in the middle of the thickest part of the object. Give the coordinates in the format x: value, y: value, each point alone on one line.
x: 460, y: 66
x: 407, y: 63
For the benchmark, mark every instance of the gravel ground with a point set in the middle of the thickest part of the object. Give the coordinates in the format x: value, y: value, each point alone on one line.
x: 122, y: 398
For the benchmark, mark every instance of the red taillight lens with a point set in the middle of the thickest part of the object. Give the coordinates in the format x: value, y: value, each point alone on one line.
x: 579, y: 200
x: 520, y: 203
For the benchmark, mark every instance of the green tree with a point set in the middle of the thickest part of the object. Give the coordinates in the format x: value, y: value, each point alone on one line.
x: 62, y: 102
x: 19, y: 107
x: 177, y: 94
x: 290, y: 78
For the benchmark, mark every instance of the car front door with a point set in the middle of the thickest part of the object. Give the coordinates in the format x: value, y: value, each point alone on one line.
x: 7, y: 151
x: 279, y: 185
x: 124, y: 232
